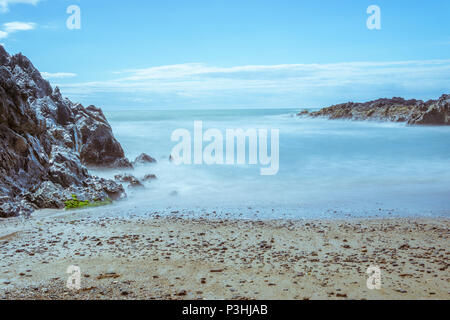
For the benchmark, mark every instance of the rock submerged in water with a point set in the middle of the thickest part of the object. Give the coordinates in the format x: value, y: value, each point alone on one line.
x: 144, y: 159
x: 149, y: 177
x: 131, y: 180
x: 413, y: 112
x: 46, y: 142
x: 303, y: 113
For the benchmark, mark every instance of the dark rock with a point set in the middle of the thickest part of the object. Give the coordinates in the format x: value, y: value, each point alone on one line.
x: 137, y: 184
x: 50, y: 195
x: 113, y: 190
x: 182, y: 293
x: 128, y: 178
x: 150, y: 177
x: 46, y: 141
x: 303, y: 113
x: 125, y: 178
x: 438, y: 113
x: 413, y: 112
x: 143, y: 159
x: 15, y: 208
x: 99, y: 147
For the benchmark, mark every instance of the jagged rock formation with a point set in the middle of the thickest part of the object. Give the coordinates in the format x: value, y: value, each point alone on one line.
x: 414, y: 112
x: 99, y: 148
x: 47, y: 141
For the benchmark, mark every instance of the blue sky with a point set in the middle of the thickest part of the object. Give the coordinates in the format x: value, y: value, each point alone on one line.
x: 231, y: 54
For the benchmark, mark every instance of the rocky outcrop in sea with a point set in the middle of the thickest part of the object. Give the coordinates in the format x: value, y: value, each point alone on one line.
x: 413, y: 112
x: 47, y: 143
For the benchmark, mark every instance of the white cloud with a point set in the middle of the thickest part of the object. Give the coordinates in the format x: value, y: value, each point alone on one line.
x: 16, y: 26
x: 313, y: 84
x: 4, y: 4
x: 58, y: 75
x: 199, y: 70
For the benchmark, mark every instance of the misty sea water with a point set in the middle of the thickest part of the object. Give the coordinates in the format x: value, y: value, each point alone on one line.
x: 327, y: 168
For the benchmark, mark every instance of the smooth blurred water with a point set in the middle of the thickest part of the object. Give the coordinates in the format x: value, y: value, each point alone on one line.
x: 332, y: 168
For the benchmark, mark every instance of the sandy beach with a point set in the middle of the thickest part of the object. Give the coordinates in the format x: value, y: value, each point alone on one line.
x: 179, y: 258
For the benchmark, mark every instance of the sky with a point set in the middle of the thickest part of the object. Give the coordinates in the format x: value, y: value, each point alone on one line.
x: 199, y: 54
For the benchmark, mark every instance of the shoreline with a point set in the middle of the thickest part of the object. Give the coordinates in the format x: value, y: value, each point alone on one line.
x: 180, y: 258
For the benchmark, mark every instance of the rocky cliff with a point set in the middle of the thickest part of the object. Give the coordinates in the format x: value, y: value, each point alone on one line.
x: 414, y: 112
x: 47, y: 142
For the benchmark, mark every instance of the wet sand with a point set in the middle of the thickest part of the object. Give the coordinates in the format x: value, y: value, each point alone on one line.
x: 180, y: 258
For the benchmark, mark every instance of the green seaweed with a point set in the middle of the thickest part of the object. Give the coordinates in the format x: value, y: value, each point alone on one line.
x: 74, y: 203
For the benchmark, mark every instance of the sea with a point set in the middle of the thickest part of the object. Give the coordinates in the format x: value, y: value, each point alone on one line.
x: 332, y: 169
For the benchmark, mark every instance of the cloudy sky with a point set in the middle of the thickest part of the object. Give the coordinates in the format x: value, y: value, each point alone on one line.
x: 233, y: 54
